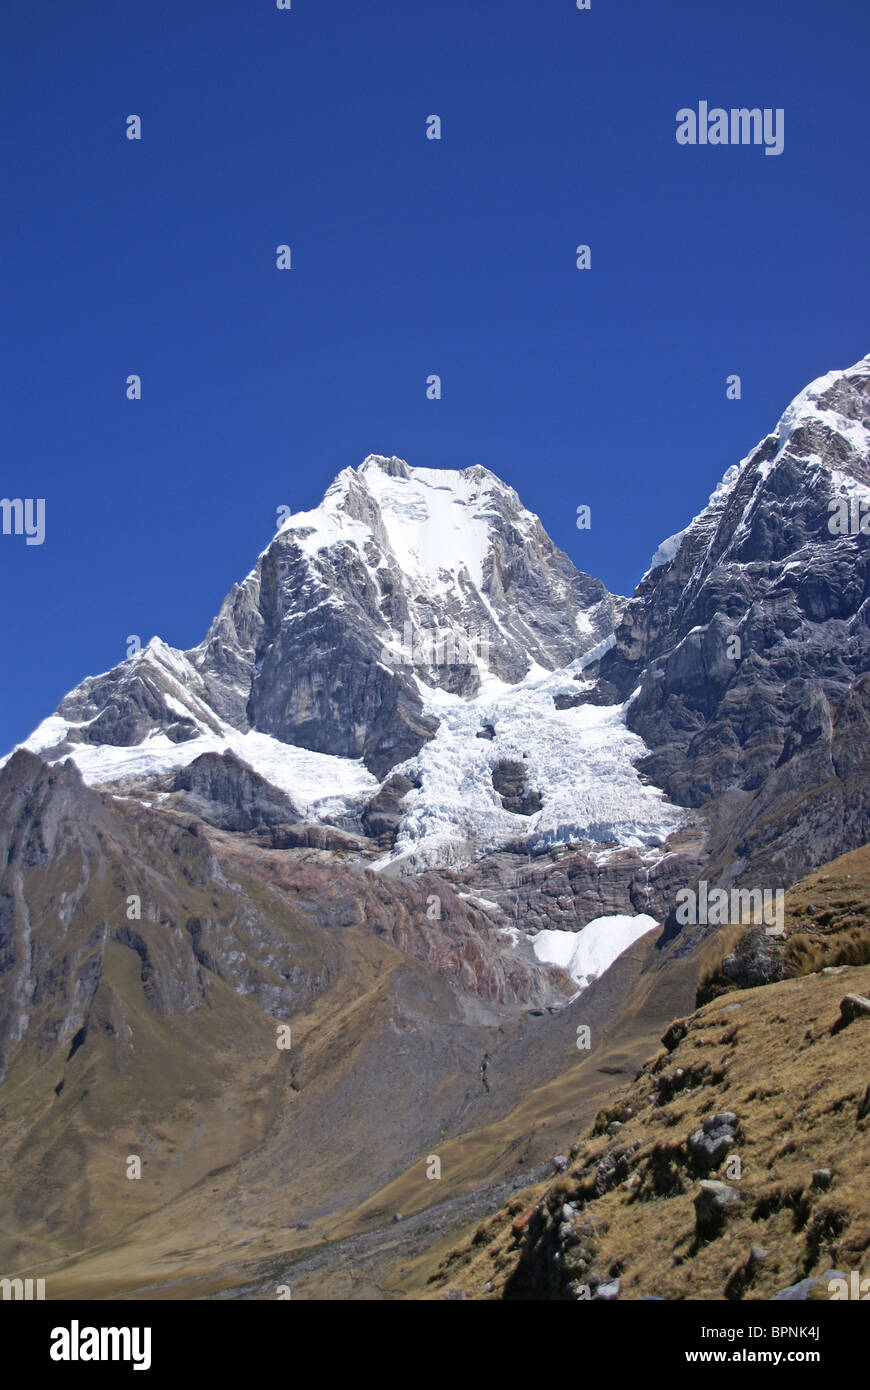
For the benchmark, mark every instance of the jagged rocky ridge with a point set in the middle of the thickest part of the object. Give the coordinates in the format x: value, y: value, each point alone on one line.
x: 748, y: 649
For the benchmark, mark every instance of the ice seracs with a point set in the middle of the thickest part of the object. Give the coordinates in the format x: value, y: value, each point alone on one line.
x: 580, y: 760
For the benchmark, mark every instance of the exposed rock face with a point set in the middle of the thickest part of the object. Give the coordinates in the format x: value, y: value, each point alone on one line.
x: 156, y: 690
x: 397, y: 575
x: 509, y: 779
x: 749, y: 641
x: 755, y: 961
x: 224, y: 791
x: 82, y: 871
x: 717, y: 1135
x: 713, y: 1203
x: 381, y: 816
x: 571, y: 888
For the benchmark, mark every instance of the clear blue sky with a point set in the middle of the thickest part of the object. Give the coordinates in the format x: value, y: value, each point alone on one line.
x: 411, y: 257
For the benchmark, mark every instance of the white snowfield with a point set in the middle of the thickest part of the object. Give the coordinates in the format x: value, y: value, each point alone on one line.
x: 586, y: 954
x: 321, y: 787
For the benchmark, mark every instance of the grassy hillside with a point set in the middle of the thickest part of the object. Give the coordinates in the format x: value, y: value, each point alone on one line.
x: 788, y: 1079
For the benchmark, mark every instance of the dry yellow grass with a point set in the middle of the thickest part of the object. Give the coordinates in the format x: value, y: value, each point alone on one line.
x: 826, y: 922
x: 770, y: 1055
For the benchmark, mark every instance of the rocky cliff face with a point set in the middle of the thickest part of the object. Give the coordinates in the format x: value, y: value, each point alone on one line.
x: 747, y: 644
x: 400, y: 573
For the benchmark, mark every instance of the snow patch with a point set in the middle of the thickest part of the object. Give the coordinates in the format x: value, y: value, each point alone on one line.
x: 586, y: 954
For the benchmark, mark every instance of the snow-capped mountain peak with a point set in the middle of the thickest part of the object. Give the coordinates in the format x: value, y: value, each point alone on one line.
x: 402, y: 582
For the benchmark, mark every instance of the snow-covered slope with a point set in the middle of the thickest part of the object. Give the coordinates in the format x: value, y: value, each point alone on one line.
x: 825, y: 424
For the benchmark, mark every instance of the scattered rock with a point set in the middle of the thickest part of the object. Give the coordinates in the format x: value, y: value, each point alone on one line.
x: 713, y: 1201
x: 727, y: 1120
x: 757, y: 1254
x: 851, y: 1007
x: 754, y: 961
x: 798, y: 1293
x: 608, y: 1292
x: 709, y: 1144
x: 822, y: 1179
x: 560, y: 1163
x: 613, y: 1169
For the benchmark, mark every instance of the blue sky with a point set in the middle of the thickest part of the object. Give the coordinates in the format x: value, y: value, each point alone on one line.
x: 410, y: 257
